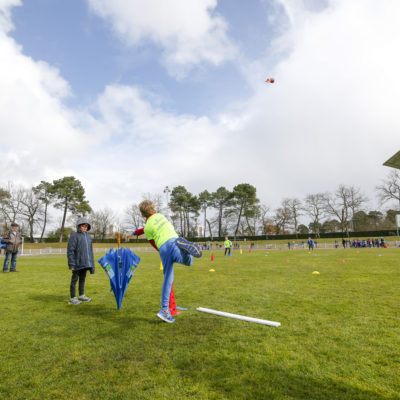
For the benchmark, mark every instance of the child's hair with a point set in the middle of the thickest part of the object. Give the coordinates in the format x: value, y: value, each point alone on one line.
x: 147, y: 208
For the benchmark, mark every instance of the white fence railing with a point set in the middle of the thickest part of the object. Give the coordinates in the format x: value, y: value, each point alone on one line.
x: 267, y: 246
x: 57, y: 251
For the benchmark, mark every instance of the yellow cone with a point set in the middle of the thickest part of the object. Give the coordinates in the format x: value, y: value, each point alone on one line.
x: 161, y: 267
x: 240, y: 251
x: 315, y: 272
x: 212, y: 270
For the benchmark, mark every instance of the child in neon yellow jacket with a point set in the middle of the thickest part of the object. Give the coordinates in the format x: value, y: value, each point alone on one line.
x: 172, y: 248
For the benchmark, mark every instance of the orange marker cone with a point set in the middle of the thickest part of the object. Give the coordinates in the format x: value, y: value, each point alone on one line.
x: 212, y: 256
x: 249, y: 250
x: 172, y: 303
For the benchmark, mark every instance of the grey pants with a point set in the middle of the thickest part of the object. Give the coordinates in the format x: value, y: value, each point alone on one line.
x: 81, y: 276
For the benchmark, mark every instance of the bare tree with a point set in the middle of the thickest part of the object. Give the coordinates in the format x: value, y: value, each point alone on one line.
x: 133, y: 217
x: 156, y: 199
x: 282, y: 217
x: 264, y: 210
x: 260, y: 220
x: 390, y: 188
x: 357, y: 200
x: 295, y: 207
x: 314, y: 208
x: 4, y: 197
x: 103, y: 222
x: 31, y: 209
x: 343, y: 204
x: 11, y: 206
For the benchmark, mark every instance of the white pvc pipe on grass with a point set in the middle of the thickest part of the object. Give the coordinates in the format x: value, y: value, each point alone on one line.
x: 241, y: 317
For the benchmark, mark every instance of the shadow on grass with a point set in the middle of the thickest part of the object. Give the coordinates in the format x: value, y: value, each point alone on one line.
x: 277, y: 384
x: 48, y: 297
x: 92, y: 311
x: 299, y: 386
x: 236, y: 374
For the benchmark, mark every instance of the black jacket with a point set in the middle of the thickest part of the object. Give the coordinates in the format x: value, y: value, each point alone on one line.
x: 80, y: 252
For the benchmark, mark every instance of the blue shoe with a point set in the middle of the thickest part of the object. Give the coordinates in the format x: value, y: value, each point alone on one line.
x: 189, y: 247
x: 165, y: 316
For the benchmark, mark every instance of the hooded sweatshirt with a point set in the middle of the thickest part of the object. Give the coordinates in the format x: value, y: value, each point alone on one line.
x: 80, y: 249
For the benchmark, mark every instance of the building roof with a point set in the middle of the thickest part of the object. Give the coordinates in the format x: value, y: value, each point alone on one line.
x: 393, y: 161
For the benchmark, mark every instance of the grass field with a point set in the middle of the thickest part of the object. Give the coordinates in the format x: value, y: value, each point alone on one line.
x: 339, y: 337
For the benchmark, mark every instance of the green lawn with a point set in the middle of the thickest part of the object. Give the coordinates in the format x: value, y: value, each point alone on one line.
x: 339, y: 337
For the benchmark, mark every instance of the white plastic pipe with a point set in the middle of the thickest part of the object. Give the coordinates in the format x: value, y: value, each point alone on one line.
x: 236, y: 316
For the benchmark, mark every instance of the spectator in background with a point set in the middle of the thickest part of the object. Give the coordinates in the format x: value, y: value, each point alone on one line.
x: 2, y: 245
x: 227, y: 245
x: 310, y: 243
x: 12, y: 238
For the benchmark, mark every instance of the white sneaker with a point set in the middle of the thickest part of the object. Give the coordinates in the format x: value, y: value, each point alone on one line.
x: 84, y: 298
x: 74, y: 301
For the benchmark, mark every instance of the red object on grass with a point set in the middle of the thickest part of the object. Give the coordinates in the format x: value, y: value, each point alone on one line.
x: 172, y: 303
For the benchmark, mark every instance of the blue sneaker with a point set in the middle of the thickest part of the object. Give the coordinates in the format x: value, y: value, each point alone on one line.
x: 165, y: 316
x: 189, y: 247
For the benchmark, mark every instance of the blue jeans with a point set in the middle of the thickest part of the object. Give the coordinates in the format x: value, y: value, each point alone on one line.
x: 170, y: 253
x: 13, y: 257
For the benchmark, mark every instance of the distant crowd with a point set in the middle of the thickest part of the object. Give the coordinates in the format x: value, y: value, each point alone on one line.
x: 364, y: 243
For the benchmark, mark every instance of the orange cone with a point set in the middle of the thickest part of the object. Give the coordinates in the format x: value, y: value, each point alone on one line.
x: 249, y: 250
x: 212, y: 256
x: 172, y: 303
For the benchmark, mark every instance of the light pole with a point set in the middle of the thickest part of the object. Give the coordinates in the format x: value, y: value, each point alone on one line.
x: 167, y: 191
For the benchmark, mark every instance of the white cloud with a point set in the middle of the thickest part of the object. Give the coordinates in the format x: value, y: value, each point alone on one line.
x: 187, y: 31
x: 148, y: 148
x: 331, y: 116
x: 39, y: 135
x: 129, y: 148
x: 5, y: 14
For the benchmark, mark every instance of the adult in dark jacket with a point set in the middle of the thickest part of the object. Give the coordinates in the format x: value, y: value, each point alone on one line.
x: 80, y: 260
x: 13, y: 239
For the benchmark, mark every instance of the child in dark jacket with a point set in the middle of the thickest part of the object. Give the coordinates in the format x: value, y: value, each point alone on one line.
x: 173, y: 249
x: 80, y: 260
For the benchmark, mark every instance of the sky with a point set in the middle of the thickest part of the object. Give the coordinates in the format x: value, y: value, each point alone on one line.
x: 130, y: 96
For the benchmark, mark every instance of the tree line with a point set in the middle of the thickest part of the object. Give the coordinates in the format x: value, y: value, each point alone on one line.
x: 236, y: 212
